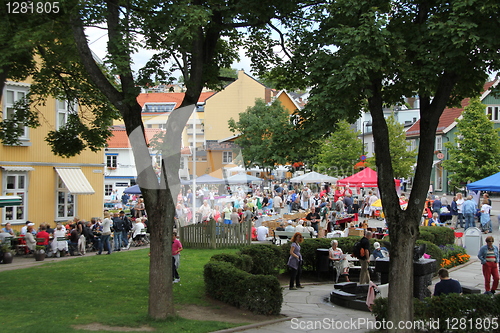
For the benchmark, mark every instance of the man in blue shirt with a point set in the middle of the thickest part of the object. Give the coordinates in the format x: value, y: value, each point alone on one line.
x: 446, y: 285
x: 469, y: 209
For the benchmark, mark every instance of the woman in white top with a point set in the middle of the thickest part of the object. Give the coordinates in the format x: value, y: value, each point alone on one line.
x: 139, y: 228
x: 30, y: 239
x: 339, y: 261
x: 59, y: 245
x: 106, y: 233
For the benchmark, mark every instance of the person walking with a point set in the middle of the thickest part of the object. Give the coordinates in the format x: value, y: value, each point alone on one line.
x: 488, y: 254
x: 295, y: 261
x: 176, y: 256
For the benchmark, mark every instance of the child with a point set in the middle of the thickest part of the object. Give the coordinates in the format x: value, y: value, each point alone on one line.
x: 176, y: 252
x: 485, y: 217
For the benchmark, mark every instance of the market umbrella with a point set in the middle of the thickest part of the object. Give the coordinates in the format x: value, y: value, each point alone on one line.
x: 135, y: 189
x: 313, y: 177
x: 242, y: 178
x: 378, y: 203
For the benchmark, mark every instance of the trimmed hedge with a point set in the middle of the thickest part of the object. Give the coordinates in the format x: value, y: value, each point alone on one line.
x: 260, y: 294
x: 240, y: 261
x: 266, y: 259
x: 465, y: 313
x: 442, y: 235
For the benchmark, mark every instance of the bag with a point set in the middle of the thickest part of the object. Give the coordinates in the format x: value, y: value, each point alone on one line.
x: 358, y: 251
x: 323, y: 211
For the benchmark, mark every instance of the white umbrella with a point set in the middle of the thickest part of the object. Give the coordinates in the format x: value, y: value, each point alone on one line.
x: 242, y: 178
x: 313, y: 177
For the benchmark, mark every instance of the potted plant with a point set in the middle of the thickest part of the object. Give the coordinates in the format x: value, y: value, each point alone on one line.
x: 40, y: 253
x: 7, y: 254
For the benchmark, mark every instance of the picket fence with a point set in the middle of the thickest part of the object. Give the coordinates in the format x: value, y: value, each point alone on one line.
x: 214, y: 235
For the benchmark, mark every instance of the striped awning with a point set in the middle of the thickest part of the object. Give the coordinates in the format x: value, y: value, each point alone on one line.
x: 17, y: 168
x: 75, y: 180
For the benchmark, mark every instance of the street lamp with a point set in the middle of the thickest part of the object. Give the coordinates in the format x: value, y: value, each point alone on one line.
x: 365, y: 123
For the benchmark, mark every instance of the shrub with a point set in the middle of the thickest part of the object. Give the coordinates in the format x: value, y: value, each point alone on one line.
x: 452, y: 310
x: 263, y: 294
x: 266, y: 259
x: 442, y: 236
x: 260, y: 294
x: 240, y: 261
x: 426, y: 236
x: 222, y: 282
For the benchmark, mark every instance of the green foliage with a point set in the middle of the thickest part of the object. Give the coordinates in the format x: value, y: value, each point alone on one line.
x: 267, y: 135
x: 402, y: 159
x: 260, y: 294
x: 452, y: 311
x: 340, y: 151
x: 427, y: 236
x: 474, y: 153
x: 265, y: 258
x: 240, y: 261
x: 442, y: 236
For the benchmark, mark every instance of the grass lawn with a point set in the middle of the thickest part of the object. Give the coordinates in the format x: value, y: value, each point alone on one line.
x: 110, y: 290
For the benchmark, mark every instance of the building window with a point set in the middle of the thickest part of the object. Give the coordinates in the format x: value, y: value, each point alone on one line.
x: 439, y: 143
x: 15, y: 185
x: 65, y: 201
x: 13, y: 96
x: 227, y: 157
x: 111, y: 161
x: 64, y: 108
x: 412, y: 145
x: 159, y: 107
x: 108, y: 189
x: 493, y: 113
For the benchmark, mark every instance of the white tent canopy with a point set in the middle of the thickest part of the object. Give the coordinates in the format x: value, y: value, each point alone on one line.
x: 313, y: 177
x: 242, y: 178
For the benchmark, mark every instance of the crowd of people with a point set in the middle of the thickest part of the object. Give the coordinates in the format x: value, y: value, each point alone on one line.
x: 78, y: 236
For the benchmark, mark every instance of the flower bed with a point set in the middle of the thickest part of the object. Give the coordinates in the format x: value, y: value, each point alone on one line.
x: 453, y: 255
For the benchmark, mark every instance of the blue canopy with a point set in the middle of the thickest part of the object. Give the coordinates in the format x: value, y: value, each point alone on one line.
x: 491, y: 183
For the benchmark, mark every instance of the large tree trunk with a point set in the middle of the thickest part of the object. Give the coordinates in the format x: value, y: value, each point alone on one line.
x: 403, y: 225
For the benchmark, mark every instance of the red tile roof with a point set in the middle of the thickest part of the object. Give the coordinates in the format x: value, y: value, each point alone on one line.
x: 168, y: 98
x: 120, y: 138
x: 447, y: 117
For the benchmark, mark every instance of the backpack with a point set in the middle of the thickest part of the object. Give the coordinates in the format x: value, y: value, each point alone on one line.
x: 358, y: 251
x: 324, y: 211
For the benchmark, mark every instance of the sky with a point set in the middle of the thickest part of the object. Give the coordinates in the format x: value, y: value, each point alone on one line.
x: 98, y: 41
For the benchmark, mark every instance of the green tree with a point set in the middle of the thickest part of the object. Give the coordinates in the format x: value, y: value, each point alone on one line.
x: 373, y: 53
x: 196, y: 37
x: 402, y: 159
x: 340, y: 151
x: 267, y: 137
x: 474, y: 153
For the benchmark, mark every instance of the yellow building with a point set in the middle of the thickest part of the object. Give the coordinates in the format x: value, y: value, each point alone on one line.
x: 209, y: 130
x: 53, y: 189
